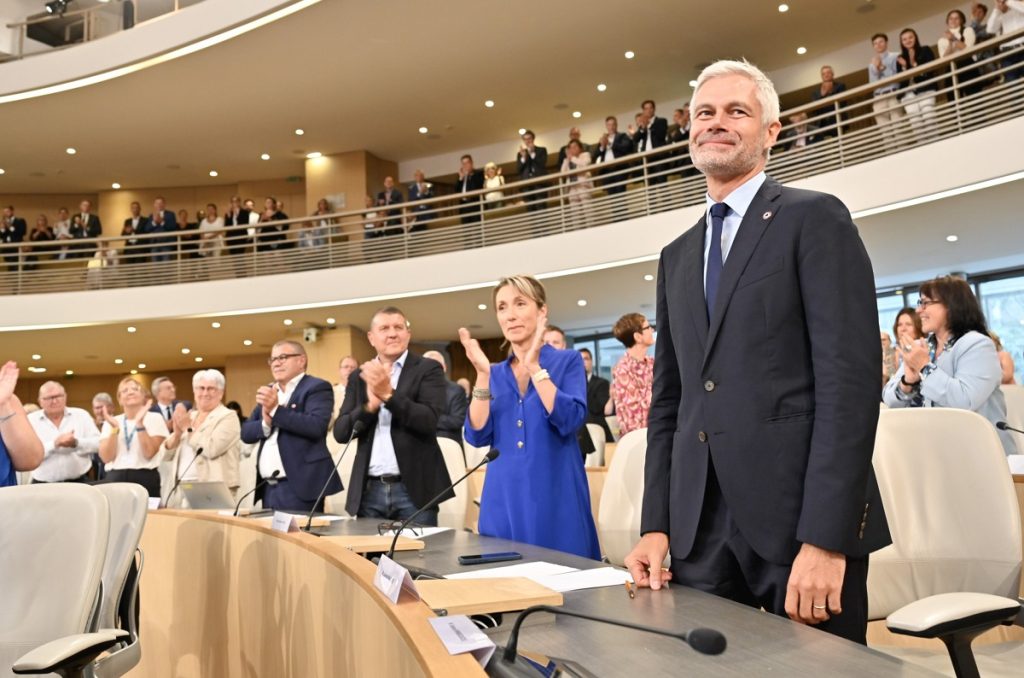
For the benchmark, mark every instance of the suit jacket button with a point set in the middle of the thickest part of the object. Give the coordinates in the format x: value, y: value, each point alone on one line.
x: 703, y: 437
x: 709, y: 386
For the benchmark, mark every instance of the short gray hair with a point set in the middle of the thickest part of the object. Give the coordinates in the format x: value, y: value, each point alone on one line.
x: 103, y: 397
x: 155, y: 386
x: 436, y: 355
x: 209, y: 375
x: 51, y: 383
x: 767, y: 97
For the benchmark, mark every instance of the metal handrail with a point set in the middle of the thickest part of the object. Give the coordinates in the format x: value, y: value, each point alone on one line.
x: 626, y: 188
x: 86, y: 15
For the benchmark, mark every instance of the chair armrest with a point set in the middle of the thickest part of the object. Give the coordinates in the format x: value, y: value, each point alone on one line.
x: 947, y: 613
x: 76, y: 650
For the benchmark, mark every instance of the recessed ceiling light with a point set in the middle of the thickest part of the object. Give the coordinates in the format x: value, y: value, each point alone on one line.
x: 265, y: 156
x: 489, y: 104
x: 70, y: 373
x: 215, y: 325
x: 131, y: 330
x: 951, y: 238
x: 213, y: 173
x: 199, y: 358
x: 288, y: 322
x: 801, y: 50
x: 314, y: 155
x: 115, y: 186
x: 70, y: 151
x: 601, y: 87
x: 142, y: 366
x: 648, y: 277
x: 630, y: 54
x: 482, y: 307
x: 331, y: 321
x: 186, y: 351
x: 299, y: 132
x: 783, y: 8
x: 247, y: 342
x: 118, y: 361
x: 36, y: 356
x: 423, y: 130
x: 693, y: 83
x: 577, y: 114
x: 522, y: 131
x: 581, y: 302
x: 3, y: 171
x: 134, y: 371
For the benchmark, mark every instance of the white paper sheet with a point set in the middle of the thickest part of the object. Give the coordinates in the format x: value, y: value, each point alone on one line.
x: 533, y: 571
x: 585, y: 579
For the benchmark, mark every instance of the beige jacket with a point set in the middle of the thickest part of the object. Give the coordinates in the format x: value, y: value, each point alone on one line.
x: 220, y: 438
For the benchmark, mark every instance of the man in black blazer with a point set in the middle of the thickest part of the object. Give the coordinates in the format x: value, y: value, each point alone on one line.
x: 290, y: 424
x: 90, y: 228
x: 398, y: 397
x: 421, y: 214
x: 238, y: 240
x: 162, y: 220
x: 598, y: 394
x: 165, y: 400
x: 389, y: 196
x: 532, y: 162
x: 470, y: 179
x: 453, y: 417
x: 12, y: 230
x: 758, y: 476
x: 612, y: 146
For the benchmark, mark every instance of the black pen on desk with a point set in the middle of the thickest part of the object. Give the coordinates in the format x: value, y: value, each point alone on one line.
x: 630, y: 591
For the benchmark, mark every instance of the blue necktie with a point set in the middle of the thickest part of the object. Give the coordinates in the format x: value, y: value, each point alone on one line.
x: 714, y: 268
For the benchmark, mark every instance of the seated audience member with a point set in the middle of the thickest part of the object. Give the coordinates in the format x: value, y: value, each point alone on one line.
x: 135, y: 250
x: 1005, y: 360
x: 62, y: 231
x: 827, y: 125
x: 273, y: 236
x: 633, y: 375
x: 554, y: 337
x: 613, y: 144
x: 20, y: 449
x: 398, y: 397
x: 420, y: 214
x: 162, y: 220
x: 957, y: 366
x: 580, y: 187
x: 385, y: 199
x: 238, y: 239
x: 918, y: 96
x: 532, y: 162
x: 799, y: 135
x: 889, y: 364
x: 493, y: 181
x: 470, y: 179
x: 317, y: 231
x: 598, y: 396
x: 531, y: 407
x: 41, y: 232
x: 289, y: 423
x: 68, y: 434
x: 906, y: 329
x: 210, y: 427
x: 130, y: 442
x: 1008, y: 17
x: 450, y: 421
x: 887, y: 109
x: 211, y: 233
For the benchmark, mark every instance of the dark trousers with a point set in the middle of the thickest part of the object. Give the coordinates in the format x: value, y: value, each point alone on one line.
x: 1008, y: 62
x: 281, y: 496
x: 723, y: 563
x: 149, y: 478
x: 391, y: 500
x: 80, y: 479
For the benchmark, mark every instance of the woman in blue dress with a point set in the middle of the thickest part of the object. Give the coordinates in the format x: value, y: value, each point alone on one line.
x: 530, y: 407
x: 20, y: 449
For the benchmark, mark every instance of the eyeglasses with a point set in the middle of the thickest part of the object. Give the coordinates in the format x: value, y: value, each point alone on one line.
x: 59, y: 396
x: 646, y: 327
x: 393, y: 525
x: 275, y: 359
x: 925, y: 303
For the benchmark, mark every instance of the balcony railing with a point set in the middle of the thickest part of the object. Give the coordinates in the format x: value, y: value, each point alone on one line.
x: 970, y: 89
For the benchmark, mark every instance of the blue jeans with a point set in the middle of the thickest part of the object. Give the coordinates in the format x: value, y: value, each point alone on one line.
x: 281, y: 496
x: 392, y: 501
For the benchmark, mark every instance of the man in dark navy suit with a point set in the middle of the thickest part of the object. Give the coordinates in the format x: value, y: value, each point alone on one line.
x: 165, y: 400
x: 290, y: 424
x: 758, y: 477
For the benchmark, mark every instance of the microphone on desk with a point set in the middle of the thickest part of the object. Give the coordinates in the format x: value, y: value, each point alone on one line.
x: 491, y: 456
x: 265, y: 481
x: 703, y: 640
x: 357, y: 428
x: 177, y: 481
x: 1003, y: 426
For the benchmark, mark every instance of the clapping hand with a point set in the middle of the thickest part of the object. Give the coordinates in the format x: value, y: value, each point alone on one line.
x: 474, y: 353
x: 143, y: 412
x: 8, y: 380
x: 109, y: 418
x: 377, y: 378
x: 180, y: 417
x: 915, y: 356
x: 266, y: 397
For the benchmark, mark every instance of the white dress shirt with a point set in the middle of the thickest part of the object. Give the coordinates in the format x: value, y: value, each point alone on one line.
x: 270, y: 456
x: 739, y: 202
x: 129, y: 450
x: 383, y: 461
x: 1010, y: 21
x: 65, y: 463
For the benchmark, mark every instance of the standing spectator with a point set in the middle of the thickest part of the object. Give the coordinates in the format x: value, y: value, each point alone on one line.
x: 798, y: 135
x: 452, y: 418
x: 598, y: 395
x: 275, y: 235
x: 211, y: 233
x: 958, y: 37
x: 889, y: 362
x: 633, y: 375
x: 613, y: 144
x: 130, y: 442
x: 919, y: 94
x: 12, y: 231
x: 135, y: 251
x: 68, y: 434
x: 532, y: 162
x: 493, y: 181
x: 20, y: 449
x: 828, y: 125
x: 346, y: 366
x: 574, y: 135
x: 166, y: 400
x: 680, y: 133
x: 238, y: 238
x: 580, y: 187
x: 979, y: 21
x: 317, y: 231
x: 651, y: 131
x: 89, y: 227
x: 370, y: 222
x: 1008, y: 17
x: 189, y: 248
x: 554, y: 337
x: 1005, y: 360
x: 888, y: 111
x: 162, y: 220
x: 390, y: 196
x: 906, y: 329
x: 420, y: 214
x: 62, y: 231
x: 41, y: 232
x: 100, y: 403
x: 469, y: 180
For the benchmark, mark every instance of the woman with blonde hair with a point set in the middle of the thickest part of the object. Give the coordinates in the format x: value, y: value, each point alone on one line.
x: 493, y: 181
x: 530, y: 407
x: 1005, y: 360
x: 130, y: 442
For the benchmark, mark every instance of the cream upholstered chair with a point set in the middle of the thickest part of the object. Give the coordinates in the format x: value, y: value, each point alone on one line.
x: 52, y: 550
x: 452, y: 513
x: 953, y: 569
x: 474, y: 455
x: 1014, y: 395
x: 596, y: 458
x: 618, y: 518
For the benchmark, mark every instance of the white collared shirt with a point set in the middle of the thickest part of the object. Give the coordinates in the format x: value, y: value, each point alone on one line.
x: 65, y: 463
x: 739, y: 202
x: 383, y: 461
x: 270, y: 456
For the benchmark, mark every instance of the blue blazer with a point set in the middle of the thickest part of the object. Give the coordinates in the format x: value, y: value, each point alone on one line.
x: 302, y: 438
x: 778, y: 390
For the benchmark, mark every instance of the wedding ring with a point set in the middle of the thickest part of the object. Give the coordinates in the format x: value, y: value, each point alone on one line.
x: 819, y: 607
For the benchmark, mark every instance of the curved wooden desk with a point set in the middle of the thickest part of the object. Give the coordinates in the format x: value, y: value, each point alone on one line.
x: 228, y: 597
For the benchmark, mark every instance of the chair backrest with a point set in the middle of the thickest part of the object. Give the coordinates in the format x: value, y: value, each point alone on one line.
x: 1014, y: 395
x: 335, y: 503
x: 951, y: 507
x: 618, y: 520
x: 596, y: 458
x: 452, y: 513
x: 52, y: 548
x: 474, y: 455
x: 129, y: 504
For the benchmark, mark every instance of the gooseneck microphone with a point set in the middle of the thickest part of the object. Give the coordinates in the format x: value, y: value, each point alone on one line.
x: 703, y: 640
x: 357, y: 428
x: 1003, y: 426
x: 177, y: 481
x: 265, y: 481
x: 491, y: 456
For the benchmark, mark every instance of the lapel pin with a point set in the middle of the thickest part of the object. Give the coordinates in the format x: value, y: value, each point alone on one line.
x: 766, y: 216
